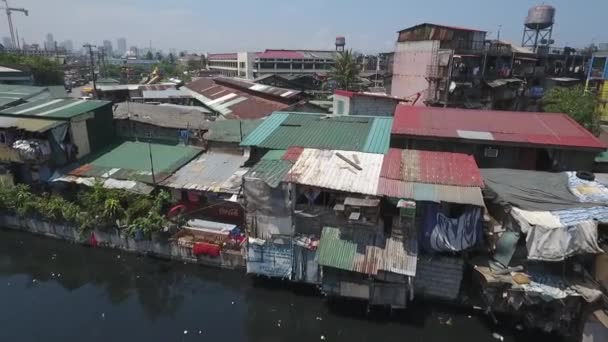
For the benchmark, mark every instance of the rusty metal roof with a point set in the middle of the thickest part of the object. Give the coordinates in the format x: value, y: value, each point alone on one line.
x: 366, y: 252
x: 348, y: 171
x: 231, y: 101
x: 213, y: 171
x: 431, y: 167
x: 430, y: 192
x: 539, y: 129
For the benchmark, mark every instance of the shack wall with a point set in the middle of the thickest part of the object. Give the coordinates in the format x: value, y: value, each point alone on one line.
x: 410, y: 66
x: 158, y: 246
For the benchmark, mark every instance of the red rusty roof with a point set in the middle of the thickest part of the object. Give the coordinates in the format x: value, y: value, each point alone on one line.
x: 428, y: 167
x: 233, y: 102
x: 293, y: 153
x: 287, y: 54
x: 547, y: 129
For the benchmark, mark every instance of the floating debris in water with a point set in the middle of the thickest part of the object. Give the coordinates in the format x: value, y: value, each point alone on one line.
x: 498, y: 336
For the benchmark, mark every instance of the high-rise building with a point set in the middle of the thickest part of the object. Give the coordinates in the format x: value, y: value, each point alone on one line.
x: 107, y: 47
x: 68, y: 45
x: 49, y: 44
x: 7, y: 42
x: 121, y: 45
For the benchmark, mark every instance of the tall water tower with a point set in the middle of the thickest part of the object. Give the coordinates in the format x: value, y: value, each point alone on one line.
x: 538, y: 26
x: 340, y: 43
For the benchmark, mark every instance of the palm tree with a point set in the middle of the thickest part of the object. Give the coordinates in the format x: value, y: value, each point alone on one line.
x: 346, y: 70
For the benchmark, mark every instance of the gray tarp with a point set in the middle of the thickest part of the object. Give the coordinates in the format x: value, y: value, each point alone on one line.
x: 531, y: 190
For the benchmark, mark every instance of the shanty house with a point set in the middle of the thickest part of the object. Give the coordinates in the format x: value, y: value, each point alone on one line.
x: 551, y: 227
x: 42, y: 135
x: 518, y: 140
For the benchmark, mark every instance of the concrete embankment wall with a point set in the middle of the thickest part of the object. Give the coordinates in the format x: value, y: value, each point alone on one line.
x: 157, y: 246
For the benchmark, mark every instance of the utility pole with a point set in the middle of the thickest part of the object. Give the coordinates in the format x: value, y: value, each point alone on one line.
x: 149, y: 136
x: 90, y: 47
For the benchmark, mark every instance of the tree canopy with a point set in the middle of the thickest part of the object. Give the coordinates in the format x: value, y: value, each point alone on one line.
x: 346, y: 70
x: 45, y: 71
x: 574, y: 101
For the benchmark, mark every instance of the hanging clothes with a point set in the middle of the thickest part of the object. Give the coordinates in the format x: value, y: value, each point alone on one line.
x: 441, y: 233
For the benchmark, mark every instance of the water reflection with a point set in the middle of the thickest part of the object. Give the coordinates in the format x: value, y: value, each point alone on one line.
x: 106, y: 295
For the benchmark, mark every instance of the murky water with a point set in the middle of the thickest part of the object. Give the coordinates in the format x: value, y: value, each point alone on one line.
x: 51, y: 291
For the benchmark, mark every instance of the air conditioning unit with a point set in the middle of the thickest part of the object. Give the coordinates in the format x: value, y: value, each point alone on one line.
x: 490, y: 152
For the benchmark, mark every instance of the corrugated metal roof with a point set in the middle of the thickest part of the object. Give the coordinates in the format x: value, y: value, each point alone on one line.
x: 231, y: 130
x: 354, y: 133
x: 29, y: 124
x: 10, y: 94
x: 274, y: 155
x: 109, y: 183
x: 325, y: 169
x: 162, y: 116
x: 130, y: 160
x: 545, y: 129
x: 431, y: 167
x: 271, y: 172
x: 212, y: 171
x: 165, y: 94
x: 366, y: 252
x: 430, y: 192
x: 55, y: 108
x: 230, y: 101
x: 280, y: 93
x: 378, y: 140
x: 268, y: 126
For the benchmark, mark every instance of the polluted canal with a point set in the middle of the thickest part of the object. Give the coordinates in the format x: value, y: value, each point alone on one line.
x: 55, y: 291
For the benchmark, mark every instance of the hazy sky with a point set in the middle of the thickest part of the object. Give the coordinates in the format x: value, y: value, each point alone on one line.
x: 241, y: 25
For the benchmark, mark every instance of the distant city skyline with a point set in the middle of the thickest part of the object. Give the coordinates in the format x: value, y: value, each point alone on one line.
x: 368, y: 27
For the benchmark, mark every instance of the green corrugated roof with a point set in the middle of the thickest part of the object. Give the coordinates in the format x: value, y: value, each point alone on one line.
x: 29, y: 124
x: 335, y: 252
x: 55, y: 108
x: 130, y: 160
x: 231, y: 130
x: 10, y: 94
x: 350, y: 133
x: 268, y: 126
x: 378, y: 141
x: 274, y: 155
x: 271, y: 172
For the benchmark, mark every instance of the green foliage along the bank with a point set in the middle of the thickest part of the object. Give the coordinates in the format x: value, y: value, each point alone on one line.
x: 46, y: 71
x: 94, y: 207
x: 574, y: 101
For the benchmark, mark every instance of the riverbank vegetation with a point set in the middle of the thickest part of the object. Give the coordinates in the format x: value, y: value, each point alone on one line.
x: 94, y: 207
